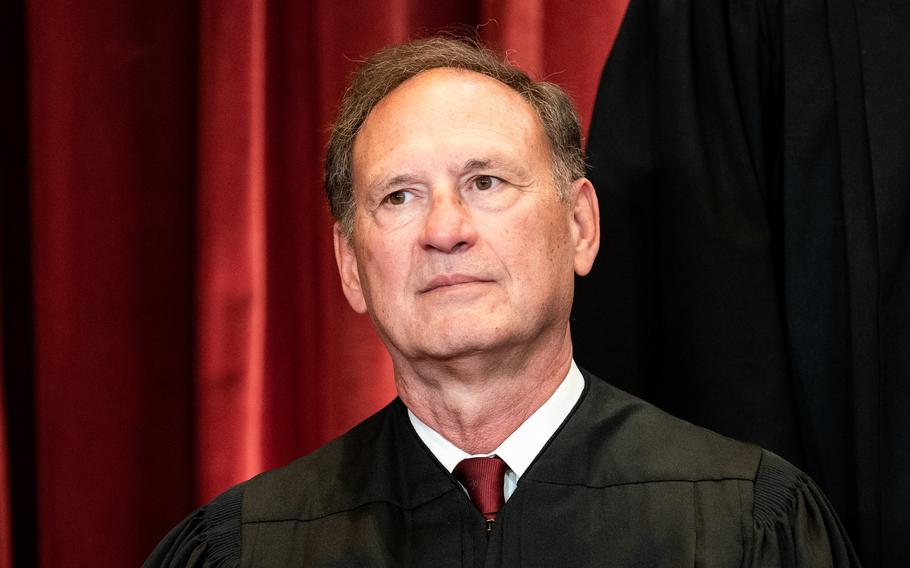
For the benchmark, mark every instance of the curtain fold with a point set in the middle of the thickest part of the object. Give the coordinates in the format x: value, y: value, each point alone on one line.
x: 111, y: 145
x: 231, y: 294
x: 189, y: 327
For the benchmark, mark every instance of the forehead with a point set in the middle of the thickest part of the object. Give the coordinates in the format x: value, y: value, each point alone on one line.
x: 447, y: 110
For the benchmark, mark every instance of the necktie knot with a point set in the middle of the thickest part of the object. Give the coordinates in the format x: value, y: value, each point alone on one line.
x: 483, y: 478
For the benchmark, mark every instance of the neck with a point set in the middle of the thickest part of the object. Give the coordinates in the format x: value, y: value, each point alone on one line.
x: 476, y: 401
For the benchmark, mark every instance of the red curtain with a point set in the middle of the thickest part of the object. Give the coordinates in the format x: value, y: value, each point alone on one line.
x: 187, y: 325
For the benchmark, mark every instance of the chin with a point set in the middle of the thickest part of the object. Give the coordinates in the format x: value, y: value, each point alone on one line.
x: 463, y: 343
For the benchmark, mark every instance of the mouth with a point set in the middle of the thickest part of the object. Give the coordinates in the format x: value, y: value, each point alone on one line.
x: 451, y: 280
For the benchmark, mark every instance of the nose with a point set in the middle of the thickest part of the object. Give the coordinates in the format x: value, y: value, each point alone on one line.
x: 448, y: 225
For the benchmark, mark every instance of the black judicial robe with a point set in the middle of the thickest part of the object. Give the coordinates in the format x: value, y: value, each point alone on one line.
x: 619, y: 484
x: 752, y: 160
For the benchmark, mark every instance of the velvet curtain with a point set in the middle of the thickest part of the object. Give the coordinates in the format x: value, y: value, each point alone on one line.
x: 172, y: 321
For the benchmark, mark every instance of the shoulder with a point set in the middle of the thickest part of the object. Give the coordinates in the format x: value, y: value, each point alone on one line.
x: 627, y: 440
x: 745, y: 498
x: 792, y: 521
x: 381, y: 462
x: 337, y: 476
x: 786, y: 519
x: 209, y: 536
x: 307, y: 487
x: 778, y: 486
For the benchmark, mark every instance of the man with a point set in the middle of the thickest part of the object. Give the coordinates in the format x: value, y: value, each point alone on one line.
x: 462, y: 216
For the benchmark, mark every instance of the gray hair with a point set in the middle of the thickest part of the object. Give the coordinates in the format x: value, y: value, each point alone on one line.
x: 392, y: 66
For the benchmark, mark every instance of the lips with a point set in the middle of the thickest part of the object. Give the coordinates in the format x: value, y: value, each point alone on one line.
x: 448, y: 280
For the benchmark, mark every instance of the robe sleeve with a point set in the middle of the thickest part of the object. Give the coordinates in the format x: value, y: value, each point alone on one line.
x: 208, y: 537
x: 793, y: 523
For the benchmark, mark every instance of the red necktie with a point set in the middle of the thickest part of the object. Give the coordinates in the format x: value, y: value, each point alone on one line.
x: 483, y: 478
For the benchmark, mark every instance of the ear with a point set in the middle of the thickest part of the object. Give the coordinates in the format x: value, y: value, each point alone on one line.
x: 347, y: 269
x: 585, y: 225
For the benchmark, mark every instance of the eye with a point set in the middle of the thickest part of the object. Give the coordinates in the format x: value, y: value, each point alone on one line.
x: 399, y: 197
x: 486, y: 182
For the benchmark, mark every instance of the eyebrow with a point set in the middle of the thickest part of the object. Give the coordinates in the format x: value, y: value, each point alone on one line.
x: 495, y: 162
x: 401, y: 179
x: 475, y: 164
x: 384, y: 183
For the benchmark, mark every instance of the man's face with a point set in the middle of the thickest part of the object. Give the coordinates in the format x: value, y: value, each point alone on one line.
x: 461, y: 244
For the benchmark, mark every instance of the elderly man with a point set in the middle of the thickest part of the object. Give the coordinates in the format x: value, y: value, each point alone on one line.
x: 463, y: 215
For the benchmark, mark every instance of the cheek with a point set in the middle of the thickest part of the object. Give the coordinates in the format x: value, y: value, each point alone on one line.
x: 550, y: 231
x: 534, y: 247
x: 555, y: 258
x: 383, y: 267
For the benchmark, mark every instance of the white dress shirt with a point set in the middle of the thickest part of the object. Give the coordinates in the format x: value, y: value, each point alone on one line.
x: 522, y: 445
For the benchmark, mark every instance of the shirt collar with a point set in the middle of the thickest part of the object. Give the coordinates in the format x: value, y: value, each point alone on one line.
x: 522, y: 445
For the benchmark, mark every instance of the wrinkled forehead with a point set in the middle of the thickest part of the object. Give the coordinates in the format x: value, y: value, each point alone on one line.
x: 441, y: 103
